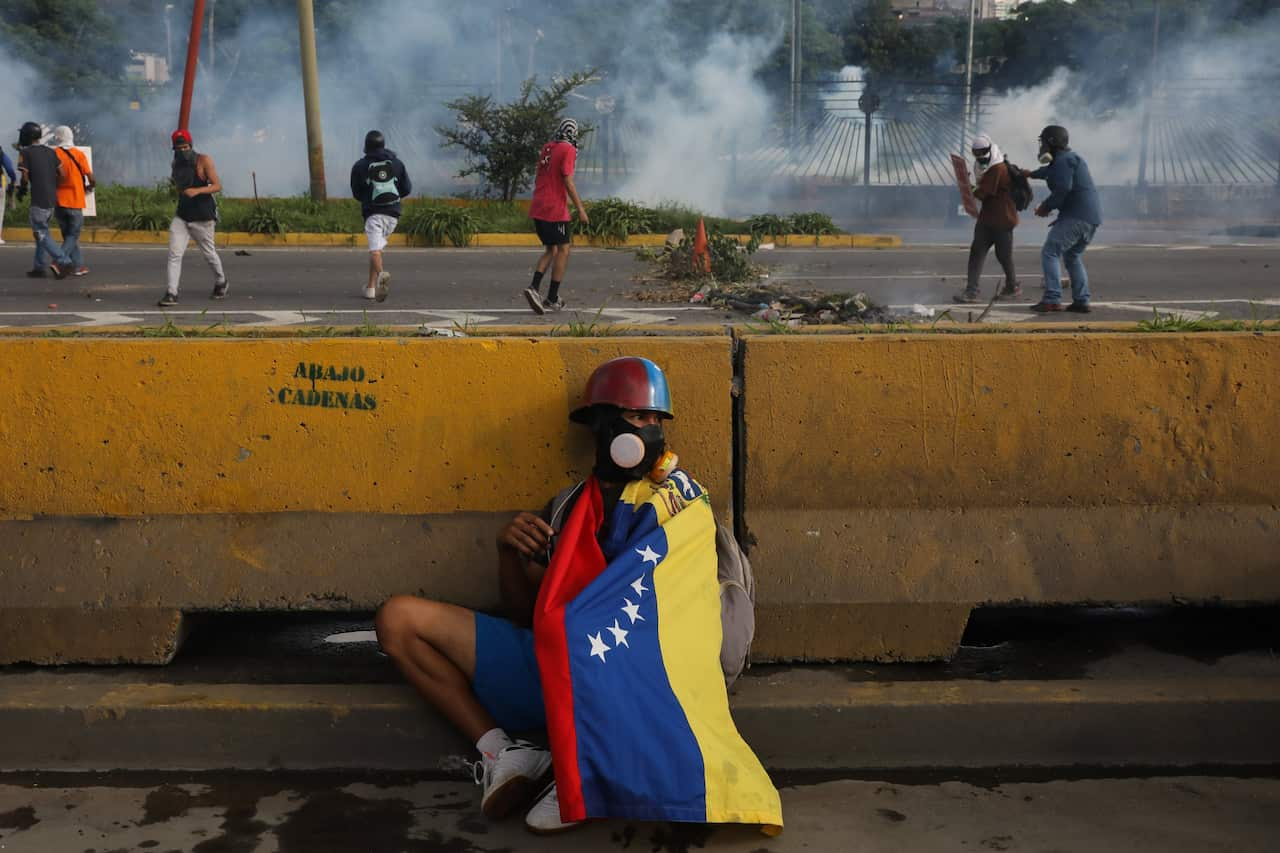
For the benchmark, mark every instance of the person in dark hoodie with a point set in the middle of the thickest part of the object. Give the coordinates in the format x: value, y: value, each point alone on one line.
x: 1074, y: 196
x: 378, y: 181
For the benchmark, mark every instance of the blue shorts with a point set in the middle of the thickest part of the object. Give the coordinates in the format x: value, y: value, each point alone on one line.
x: 506, y: 680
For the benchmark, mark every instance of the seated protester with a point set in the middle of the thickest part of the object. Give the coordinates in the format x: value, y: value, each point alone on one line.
x: 595, y: 573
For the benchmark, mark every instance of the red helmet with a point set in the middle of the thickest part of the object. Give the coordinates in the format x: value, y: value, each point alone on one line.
x: 628, y: 383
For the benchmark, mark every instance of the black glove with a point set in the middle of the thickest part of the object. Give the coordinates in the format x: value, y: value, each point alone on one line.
x: 22, y: 191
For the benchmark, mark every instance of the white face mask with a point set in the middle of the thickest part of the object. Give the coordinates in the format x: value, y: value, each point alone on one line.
x: 1046, y: 157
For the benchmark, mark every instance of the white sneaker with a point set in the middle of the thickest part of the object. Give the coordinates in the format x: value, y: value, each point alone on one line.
x: 370, y: 293
x: 511, y: 779
x: 535, y: 300
x: 384, y: 287
x: 544, y: 817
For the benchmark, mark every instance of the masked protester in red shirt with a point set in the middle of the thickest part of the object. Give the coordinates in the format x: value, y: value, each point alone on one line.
x: 550, y: 213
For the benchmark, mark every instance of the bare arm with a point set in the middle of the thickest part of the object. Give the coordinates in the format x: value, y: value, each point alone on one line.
x: 577, y: 202
x: 206, y: 171
x: 519, y: 576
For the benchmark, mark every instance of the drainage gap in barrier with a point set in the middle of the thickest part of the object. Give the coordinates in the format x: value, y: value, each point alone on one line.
x: 738, y: 476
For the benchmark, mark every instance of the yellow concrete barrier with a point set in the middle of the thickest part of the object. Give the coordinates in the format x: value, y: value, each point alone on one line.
x: 893, y: 481
x: 142, y: 478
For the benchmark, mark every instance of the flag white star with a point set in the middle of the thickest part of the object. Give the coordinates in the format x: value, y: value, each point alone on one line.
x: 598, y: 648
x: 619, y: 635
x: 639, y: 586
x: 632, y: 610
x: 649, y: 555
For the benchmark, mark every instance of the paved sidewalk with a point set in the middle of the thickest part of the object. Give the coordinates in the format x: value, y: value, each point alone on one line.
x: 326, y: 814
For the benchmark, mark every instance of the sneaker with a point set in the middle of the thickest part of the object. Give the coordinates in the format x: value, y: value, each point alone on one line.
x: 167, y: 300
x: 36, y: 273
x: 1011, y: 291
x: 81, y: 271
x: 1046, y: 307
x: 511, y: 779
x: 219, y: 290
x: 1080, y: 308
x: 534, y: 298
x: 966, y: 297
x: 555, y: 307
x: 383, y: 290
x: 60, y: 271
x: 544, y: 817
x: 370, y: 293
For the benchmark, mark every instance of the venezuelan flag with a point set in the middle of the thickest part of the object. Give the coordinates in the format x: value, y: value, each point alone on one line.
x: 627, y: 634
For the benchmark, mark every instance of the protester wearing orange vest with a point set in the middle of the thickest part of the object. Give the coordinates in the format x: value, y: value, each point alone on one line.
x: 74, y: 177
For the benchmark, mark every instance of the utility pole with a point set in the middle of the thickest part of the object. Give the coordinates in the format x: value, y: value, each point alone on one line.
x: 795, y: 73
x: 1151, y: 96
x: 968, y: 79
x: 311, y: 97
x: 868, y: 102
x: 213, y: 52
x: 168, y: 41
x: 193, y: 55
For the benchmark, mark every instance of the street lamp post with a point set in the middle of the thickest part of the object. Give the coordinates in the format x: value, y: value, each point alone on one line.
x: 311, y: 97
x: 968, y: 79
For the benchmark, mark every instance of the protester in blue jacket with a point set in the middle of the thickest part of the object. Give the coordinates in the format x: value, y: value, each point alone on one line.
x: 1074, y: 197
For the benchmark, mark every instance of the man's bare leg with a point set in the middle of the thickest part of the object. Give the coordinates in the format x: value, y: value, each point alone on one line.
x: 375, y: 267
x: 561, y: 261
x: 434, y: 645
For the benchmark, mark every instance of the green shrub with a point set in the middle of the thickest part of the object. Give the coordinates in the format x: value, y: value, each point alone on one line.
x: 435, y: 223
x: 265, y: 219
x: 769, y: 224
x: 614, y: 220
x: 813, y: 223
x: 145, y: 217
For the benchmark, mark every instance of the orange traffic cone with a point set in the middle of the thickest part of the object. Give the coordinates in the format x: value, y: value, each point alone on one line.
x: 701, y: 257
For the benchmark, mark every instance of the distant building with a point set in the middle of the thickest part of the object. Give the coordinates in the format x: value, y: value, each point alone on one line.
x: 922, y: 11
x: 147, y: 67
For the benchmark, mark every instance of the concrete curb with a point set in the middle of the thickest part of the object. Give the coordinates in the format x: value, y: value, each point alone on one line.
x: 799, y: 719
x: 114, y: 236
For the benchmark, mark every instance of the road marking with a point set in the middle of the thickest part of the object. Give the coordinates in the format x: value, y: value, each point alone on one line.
x: 430, y: 317
x: 352, y: 637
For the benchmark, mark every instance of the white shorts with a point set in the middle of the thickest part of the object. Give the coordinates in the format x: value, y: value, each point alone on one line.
x: 377, y: 228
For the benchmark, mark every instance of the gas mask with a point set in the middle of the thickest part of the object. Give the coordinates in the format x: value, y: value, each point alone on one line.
x: 1046, y: 155
x: 625, y: 452
x: 982, y: 155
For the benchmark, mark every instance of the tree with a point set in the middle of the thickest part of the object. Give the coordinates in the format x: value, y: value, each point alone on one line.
x: 502, y: 141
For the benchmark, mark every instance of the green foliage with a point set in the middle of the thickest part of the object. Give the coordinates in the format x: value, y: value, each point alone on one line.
x: 769, y: 224
x: 265, y: 219
x: 147, y: 217
x: 730, y: 261
x: 502, y: 141
x: 813, y: 223
x: 579, y: 328
x: 1180, y: 323
x: 614, y: 220
x: 436, y: 223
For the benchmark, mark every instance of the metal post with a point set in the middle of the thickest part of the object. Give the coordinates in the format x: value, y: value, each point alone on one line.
x: 168, y: 41
x: 968, y: 80
x: 1151, y: 96
x: 193, y: 54
x: 311, y: 97
x: 213, y: 53
x: 795, y: 74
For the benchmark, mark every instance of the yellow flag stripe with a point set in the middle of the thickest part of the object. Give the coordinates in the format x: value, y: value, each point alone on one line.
x: 738, y: 789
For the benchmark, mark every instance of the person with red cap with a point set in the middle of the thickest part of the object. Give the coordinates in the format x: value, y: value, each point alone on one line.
x: 196, y: 181
x: 480, y: 671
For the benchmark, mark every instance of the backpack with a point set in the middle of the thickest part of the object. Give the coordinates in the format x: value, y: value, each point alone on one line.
x: 1019, y: 187
x: 382, y: 183
x: 737, y: 591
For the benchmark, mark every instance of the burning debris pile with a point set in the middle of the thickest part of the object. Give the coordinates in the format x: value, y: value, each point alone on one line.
x: 778, y: 304
x: 718, y: 272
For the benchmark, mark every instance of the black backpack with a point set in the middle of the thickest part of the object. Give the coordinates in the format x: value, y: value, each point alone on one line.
x: 1019, y: 187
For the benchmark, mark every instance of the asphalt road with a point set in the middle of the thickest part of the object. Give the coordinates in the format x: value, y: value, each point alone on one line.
x: 444, y: 287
